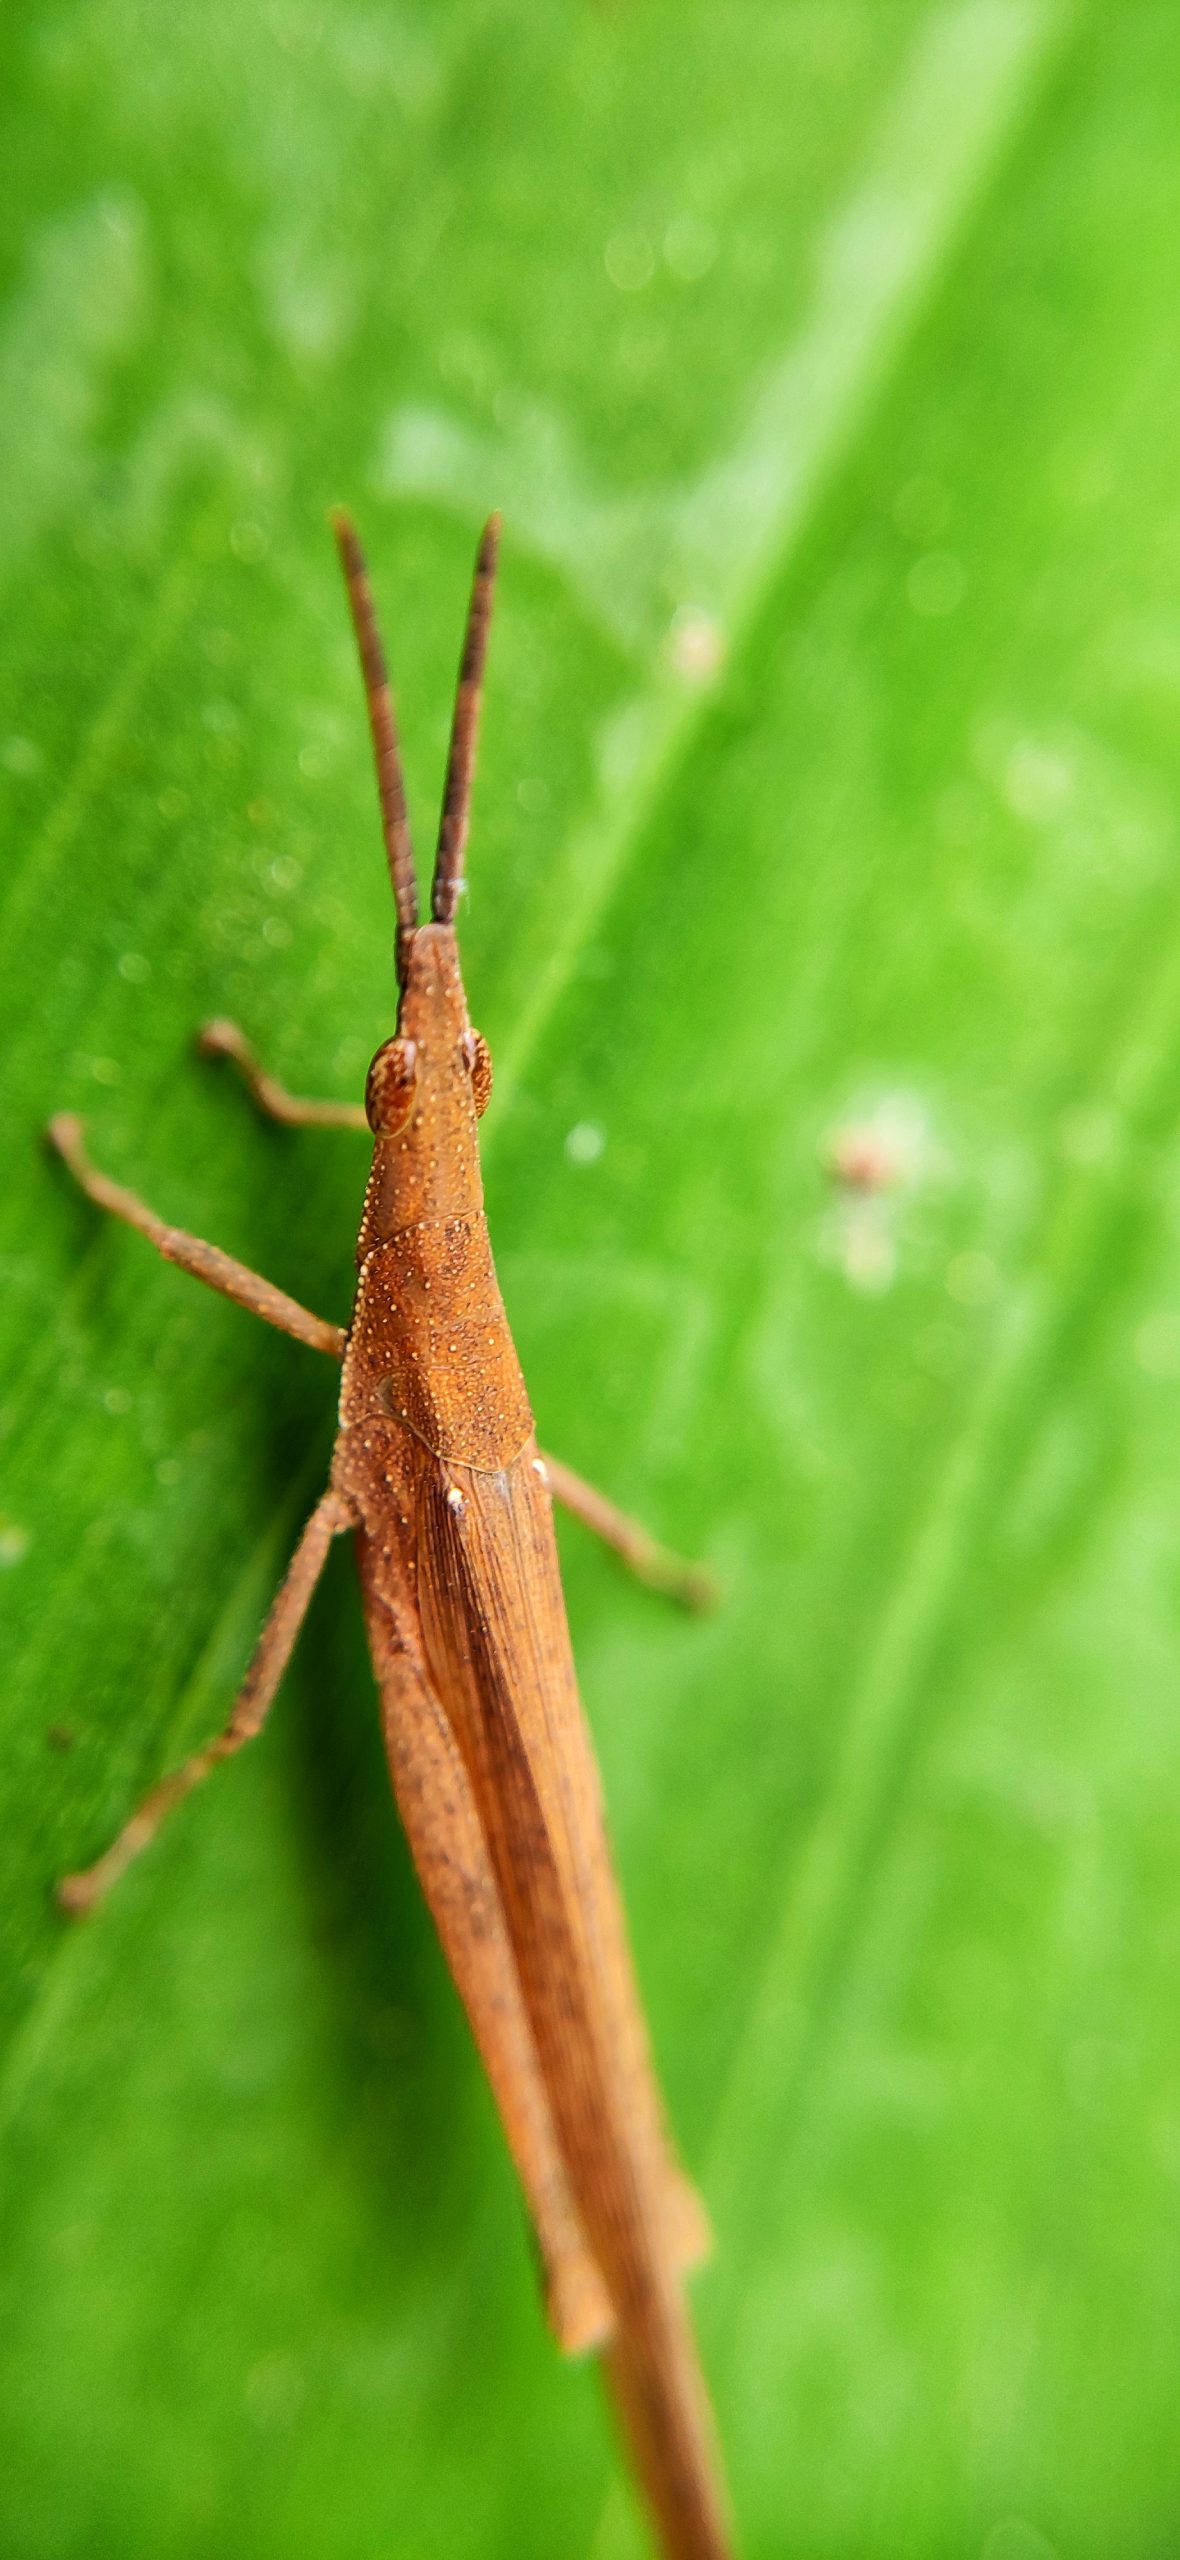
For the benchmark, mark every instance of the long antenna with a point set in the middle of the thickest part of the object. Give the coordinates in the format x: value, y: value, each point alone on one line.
x: 452, y: 834
x: 391, y: 789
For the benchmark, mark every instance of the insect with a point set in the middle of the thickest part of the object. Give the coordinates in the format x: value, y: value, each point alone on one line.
x: 437, y: 1473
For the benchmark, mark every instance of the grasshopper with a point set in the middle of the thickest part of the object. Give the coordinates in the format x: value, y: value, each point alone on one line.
x: 437, y: 1473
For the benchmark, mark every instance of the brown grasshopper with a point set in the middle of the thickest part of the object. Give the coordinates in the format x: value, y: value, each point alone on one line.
x: 437, y: 1472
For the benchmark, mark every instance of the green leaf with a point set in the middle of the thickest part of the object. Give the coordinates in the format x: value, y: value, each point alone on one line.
x: 823, y: 361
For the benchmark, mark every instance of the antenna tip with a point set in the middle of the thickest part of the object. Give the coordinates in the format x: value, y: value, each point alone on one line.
x: 347, y: 541
x: 489, y: 542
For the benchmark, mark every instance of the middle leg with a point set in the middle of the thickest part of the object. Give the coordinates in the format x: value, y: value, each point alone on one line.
x: 225, y: 1040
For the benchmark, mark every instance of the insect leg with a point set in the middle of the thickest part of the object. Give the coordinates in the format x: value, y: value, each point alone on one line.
x: 692, y: 1584
x: 225, y: 1040
x: 206, y: 1261
x: 272, y: 1653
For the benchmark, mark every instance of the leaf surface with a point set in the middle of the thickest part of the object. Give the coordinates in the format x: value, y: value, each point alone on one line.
x: 822, y: 359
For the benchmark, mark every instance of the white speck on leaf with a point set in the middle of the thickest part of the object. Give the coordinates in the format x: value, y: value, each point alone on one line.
x: 1038, y: 780
x: 695, y: 645
x: 585, y: 1142
x: 875, y: 1157
x: 1157, y: 1344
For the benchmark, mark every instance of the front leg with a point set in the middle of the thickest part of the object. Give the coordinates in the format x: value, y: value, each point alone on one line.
x: 295, y: 1111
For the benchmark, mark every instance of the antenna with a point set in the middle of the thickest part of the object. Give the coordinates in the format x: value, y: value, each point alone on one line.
x: 391, y: 789
x: 452, y: 834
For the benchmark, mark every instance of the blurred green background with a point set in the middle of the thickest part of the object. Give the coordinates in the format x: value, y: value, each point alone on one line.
x: 825, y: 361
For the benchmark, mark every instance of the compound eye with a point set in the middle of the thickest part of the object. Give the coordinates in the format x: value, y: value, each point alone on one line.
x: 477, y: 1058
x: 389, y: 1092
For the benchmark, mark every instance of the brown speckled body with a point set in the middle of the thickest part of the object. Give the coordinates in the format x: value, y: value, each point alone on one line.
x: 437, y: 1473
x: 437, y: 1463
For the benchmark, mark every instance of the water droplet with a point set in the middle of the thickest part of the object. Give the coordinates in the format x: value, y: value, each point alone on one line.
x: 222, y: 718
x: 630, y: 260
x: 1157, y: 1345
x: 695, y: 644
x: 585, y: 1143
x: 533, y: 794
x: 1037, y: 780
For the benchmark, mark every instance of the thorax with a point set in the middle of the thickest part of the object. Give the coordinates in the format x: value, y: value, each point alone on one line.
x: 429, y: 1346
